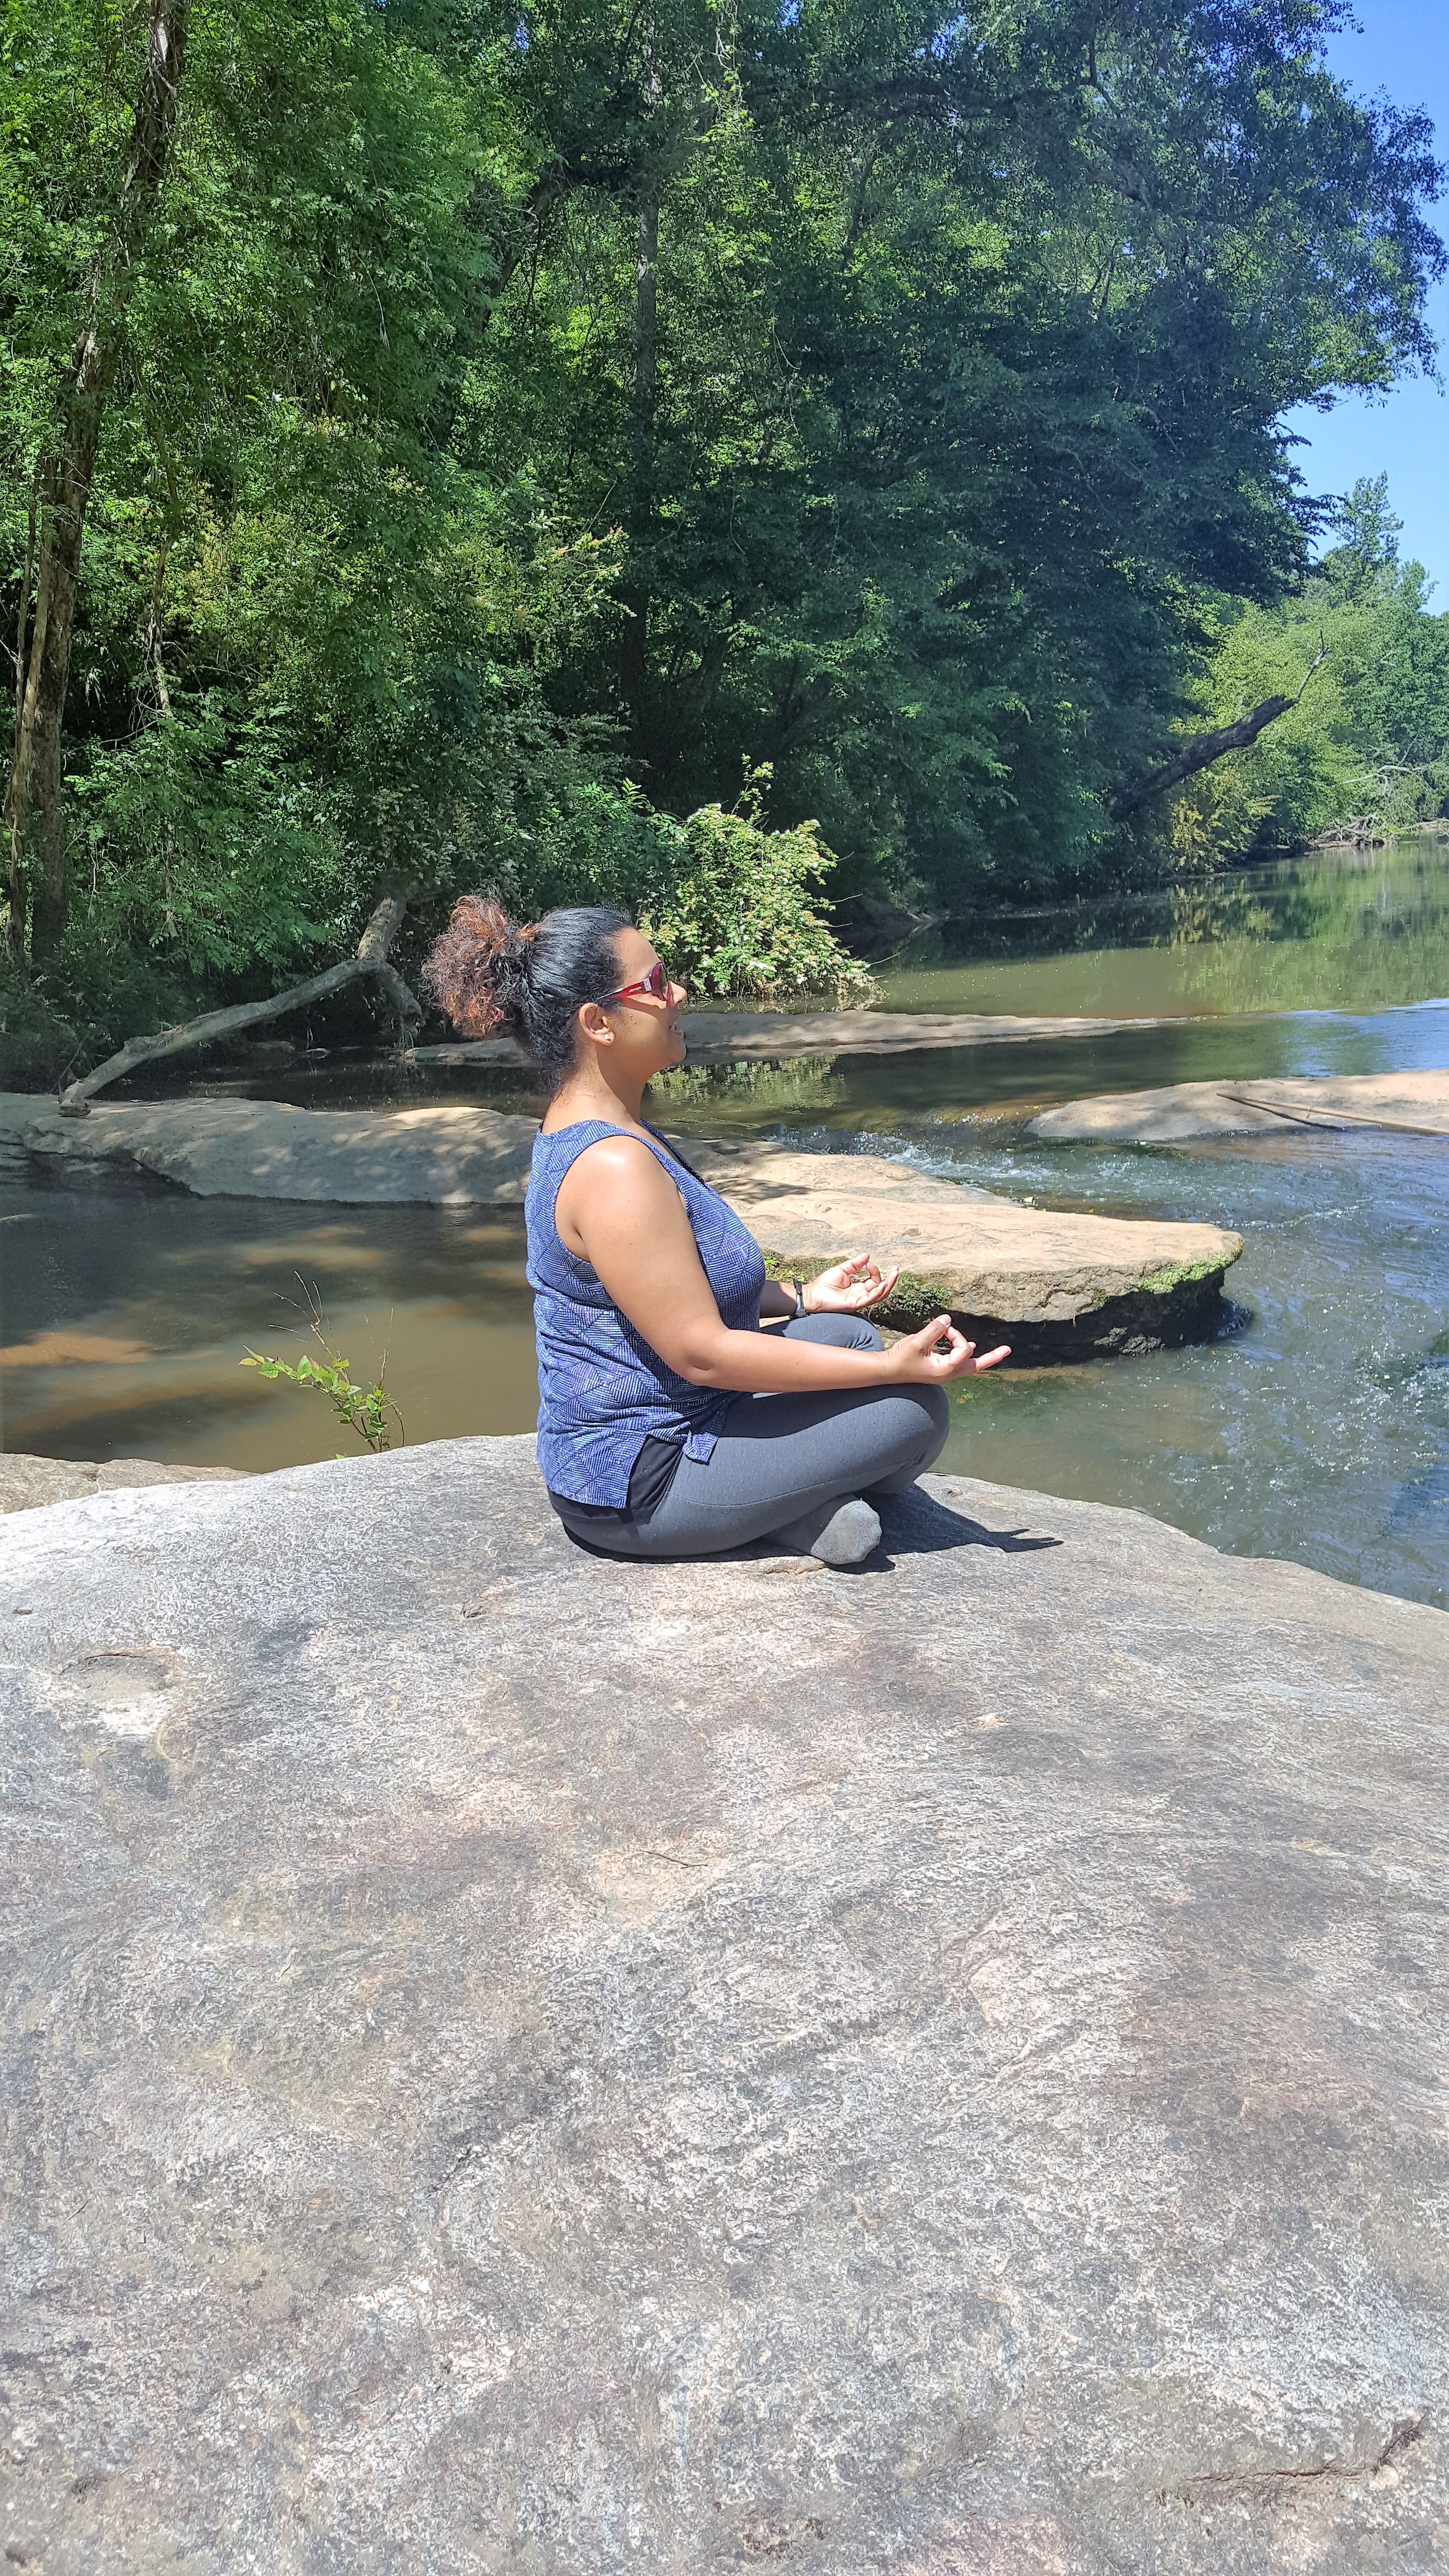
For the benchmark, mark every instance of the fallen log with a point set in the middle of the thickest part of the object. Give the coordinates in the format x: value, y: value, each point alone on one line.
x: 1199, y: 753
x: 369, y: 958
x: 1330, y: 1120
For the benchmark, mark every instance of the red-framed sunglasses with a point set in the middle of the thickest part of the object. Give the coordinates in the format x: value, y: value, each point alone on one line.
x: 655, y: 982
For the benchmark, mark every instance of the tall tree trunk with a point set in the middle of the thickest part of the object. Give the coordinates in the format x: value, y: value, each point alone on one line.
x: 634, y: 642
x: 37, y: 856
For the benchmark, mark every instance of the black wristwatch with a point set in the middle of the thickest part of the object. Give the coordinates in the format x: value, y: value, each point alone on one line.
x: 799, y: 1300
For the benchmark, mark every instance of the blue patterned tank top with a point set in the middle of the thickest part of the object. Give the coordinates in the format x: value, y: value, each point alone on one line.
x: 602, y: 1390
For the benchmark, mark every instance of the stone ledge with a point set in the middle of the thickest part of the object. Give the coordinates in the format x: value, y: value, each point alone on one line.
x: 1411, y: 1103
x: 269, y: 1149
x: 1060, y: 1287
x: 28, y: 1483
x: 736, y: 1037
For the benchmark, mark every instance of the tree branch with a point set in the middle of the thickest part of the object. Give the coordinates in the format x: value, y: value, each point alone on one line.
x: 1203, y: 748
x: 369, y: 958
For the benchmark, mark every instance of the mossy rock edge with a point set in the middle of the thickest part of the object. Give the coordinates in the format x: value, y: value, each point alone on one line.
x: 1181, y: 1304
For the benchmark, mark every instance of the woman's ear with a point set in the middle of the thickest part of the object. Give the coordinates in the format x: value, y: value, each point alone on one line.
x: 595, y: 1023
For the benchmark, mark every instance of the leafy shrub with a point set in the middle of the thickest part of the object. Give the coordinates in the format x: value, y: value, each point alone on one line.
x: 739, y: 920
x: 208, y: 846
x: 367, y: 1410
x: 603, y: 845
x: 729, y: 903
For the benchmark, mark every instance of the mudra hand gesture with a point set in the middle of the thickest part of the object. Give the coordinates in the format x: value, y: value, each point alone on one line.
x: 849, y: 1287
x: 938, y: 1351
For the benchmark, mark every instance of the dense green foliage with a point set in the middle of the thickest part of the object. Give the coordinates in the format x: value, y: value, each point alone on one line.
x: 526, y: 417
x: 1369, y: 738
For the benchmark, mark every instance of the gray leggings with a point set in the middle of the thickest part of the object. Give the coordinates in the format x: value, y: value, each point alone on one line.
x: 779, y: 1456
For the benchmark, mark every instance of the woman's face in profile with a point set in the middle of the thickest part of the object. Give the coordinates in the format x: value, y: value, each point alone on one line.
x: 643, y: 1012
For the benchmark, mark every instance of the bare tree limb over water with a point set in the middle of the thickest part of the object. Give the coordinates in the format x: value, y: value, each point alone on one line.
x: 369, y: 958
x: 1201, y: 749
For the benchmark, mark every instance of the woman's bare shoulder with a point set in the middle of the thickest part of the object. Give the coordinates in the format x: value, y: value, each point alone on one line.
x: 617, y: 1163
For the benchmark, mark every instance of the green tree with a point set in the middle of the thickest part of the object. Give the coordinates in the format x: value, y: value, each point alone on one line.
x: 1370, y: 733
x: 452, y: 437
x: 235, y: 378
x: 966, y: 343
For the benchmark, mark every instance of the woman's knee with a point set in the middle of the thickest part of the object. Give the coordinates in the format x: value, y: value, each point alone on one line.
x: 928, y: 1410
x: 921, y: 1418
x: 937, y: 1408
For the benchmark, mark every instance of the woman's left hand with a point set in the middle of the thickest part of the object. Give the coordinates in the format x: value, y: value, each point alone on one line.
x: 850, y: 1287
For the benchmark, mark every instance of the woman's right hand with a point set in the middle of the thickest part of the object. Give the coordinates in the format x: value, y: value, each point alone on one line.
x: 938, y: 1352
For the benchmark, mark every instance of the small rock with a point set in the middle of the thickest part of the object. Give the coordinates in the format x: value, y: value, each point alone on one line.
x: 29, y: 1484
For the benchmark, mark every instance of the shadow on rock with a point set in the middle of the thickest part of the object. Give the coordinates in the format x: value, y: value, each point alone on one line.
x: 914, y: 1524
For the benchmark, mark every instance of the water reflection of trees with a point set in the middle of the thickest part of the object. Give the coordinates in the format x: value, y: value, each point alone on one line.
x: 1206, y: 912
x: 722, y: 1091
x: 1376, y: 926
x: 1302, y: 933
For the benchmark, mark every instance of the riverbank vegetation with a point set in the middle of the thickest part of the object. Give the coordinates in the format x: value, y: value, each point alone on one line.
x: 1366, y: 745
x: 464, y: 442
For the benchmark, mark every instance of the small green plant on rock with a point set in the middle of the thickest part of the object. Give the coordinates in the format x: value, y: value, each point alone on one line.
x: 368, y: 1411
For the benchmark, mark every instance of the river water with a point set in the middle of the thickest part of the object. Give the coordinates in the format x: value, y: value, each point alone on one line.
x: 1316, y: 1427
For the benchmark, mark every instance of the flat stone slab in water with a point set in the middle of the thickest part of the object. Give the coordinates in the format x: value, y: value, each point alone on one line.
x: 267, y: 1149
x: 517, y: 2061
x: 1088, y: 1282
x: 725, y: 1037
x: 1084, y: 1283
x: 1417, y: 1103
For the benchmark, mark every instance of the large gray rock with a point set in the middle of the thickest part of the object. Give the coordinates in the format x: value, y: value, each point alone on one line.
x: 1417, y: 1103
x: 514, y: 2061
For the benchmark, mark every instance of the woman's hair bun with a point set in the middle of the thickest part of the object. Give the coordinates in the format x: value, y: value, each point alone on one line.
x: 531, y: 977
x: 477, y: 968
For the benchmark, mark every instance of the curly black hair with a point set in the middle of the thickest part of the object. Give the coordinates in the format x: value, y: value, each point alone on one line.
x: 531, y: 978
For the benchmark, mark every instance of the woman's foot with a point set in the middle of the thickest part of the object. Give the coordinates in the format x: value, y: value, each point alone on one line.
x: 838, y: 1533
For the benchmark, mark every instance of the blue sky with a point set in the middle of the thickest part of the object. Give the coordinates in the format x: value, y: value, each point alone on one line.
x: 1403, y: 48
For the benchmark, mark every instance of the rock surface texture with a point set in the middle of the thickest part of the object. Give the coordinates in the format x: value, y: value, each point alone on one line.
x: 731, y: 1037
x: 27, y: 1484
x: 1416, y: 1102
x: 1063, y: 1286
x: 498, y: 2077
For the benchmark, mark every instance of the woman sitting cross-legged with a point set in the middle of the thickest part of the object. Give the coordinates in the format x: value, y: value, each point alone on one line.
x: 670, y: 1423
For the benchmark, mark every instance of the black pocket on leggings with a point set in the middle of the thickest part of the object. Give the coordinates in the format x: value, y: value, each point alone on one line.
x: 651, y: 1477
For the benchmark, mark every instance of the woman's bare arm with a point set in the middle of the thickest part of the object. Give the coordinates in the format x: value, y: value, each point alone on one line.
x: 618, y: 1210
